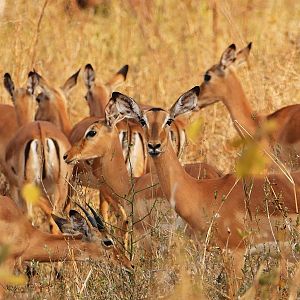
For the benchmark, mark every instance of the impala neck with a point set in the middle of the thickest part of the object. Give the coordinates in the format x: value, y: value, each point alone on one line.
x: 239, y: 107
x: 63, y: 121
x: 169, y: 171
x: 113, y: 170
x: 48, y: 247
x: 26, y: 113
x: 98, y: 101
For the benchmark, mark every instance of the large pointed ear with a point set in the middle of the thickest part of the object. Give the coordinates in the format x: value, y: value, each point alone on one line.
x: 70, y: 83
x: 64, y: 225
x: 32, y: 81
x: 35, y: 77
x: 128, y: 108
x: 79, y: 223
x: 89, y: 76
x: 243, y: 55
x: 8, y: 84
x: 112, y: 115
x: 118, y: 78
x: 186, y: 102
x: 228, y: 56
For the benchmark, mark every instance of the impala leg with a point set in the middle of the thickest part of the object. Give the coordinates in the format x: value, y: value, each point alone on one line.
x: 234, y: 263
x: 103, y: 206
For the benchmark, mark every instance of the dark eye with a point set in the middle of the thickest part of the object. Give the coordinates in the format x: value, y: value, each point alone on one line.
x: 169, y: 122
x: 142, y: 122
x: 108, y: 243
x: 91, y: 134
x: 207, y: 77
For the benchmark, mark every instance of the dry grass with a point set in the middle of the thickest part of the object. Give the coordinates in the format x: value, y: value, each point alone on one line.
x: 168, y: 54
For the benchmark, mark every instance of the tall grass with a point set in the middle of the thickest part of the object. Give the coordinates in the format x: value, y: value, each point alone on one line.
x: 168, y: 50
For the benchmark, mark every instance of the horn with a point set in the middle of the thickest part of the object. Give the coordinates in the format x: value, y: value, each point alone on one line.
x: 90, y: 218
x: 100, y: 224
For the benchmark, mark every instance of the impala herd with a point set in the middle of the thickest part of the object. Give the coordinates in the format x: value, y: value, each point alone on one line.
x: 123, y: 147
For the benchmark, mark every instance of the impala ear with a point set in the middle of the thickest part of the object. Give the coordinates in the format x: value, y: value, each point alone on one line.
x: 186, y: 102
x: 228, y: 56
x: 33, y: 81
x: 36, y: 78
x: 70, y: 83
x: 243, y: 55
x: 118, y: 78
x: 89, y: 76
x: 112, y: 115
x: 9, y: 84
x: 79, y: 223
x: 128, y: 108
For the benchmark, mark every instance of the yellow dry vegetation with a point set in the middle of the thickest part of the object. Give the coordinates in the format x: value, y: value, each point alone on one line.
x: 168, y: 49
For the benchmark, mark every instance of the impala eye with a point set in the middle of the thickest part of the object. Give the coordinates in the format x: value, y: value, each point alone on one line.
x: 169, y: 122
x: 207, y: 77
x: 91, y: 134
x: 108, y: 243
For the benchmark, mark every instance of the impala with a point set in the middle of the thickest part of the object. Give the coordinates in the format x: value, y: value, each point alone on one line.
x: 111, y: 170
x: 216, y: 205
x: 81, y: 240
x: 222, y: 84
x: 15, y: 116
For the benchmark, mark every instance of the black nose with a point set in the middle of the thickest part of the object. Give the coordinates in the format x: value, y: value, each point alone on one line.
x: 154, y: 146
x: 65, y: 156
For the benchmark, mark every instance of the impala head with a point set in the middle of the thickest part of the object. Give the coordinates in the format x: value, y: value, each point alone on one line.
x: 156, y: 121
x: 220, y: 81
x: 22, y: 98
x: 98, y: 95
x: 94, y: 232
x: 51, y: 101
x: 97, y: 136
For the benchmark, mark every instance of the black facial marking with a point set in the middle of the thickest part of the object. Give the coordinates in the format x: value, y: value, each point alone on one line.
x: 169, y: 122
x: 142, y: 122
x: 155, y: 109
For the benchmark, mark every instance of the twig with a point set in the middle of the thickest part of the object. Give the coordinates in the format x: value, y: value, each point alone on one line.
x: 86, y: 280
x: 38, y: 29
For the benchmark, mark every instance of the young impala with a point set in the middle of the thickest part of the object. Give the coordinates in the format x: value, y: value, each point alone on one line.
x: 81, y: 241
x: 222, y: 84
x: 216, y: 205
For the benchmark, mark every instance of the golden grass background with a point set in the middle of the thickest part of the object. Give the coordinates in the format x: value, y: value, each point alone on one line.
x: 168, y: 50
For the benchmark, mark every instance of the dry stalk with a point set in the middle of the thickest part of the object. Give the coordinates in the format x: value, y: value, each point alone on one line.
x: 36, y: 38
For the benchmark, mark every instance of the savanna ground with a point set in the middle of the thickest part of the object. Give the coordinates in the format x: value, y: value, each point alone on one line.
x: 168, y: 50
